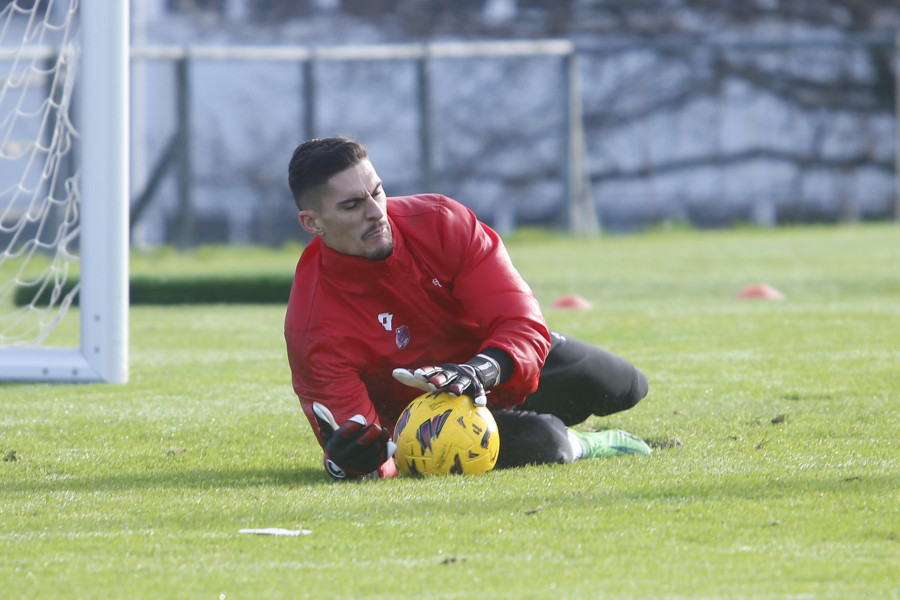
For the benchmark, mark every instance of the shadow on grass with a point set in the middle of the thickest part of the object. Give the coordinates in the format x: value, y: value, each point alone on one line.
x: 189, y: 479
x: 308, y: 477
x: 756, y: 490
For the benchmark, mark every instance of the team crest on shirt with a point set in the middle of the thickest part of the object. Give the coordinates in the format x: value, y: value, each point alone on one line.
x: 402, y: 337
x: 401, y: 334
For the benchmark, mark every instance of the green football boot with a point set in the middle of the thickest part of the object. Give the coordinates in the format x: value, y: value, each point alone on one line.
x: 611, y: 442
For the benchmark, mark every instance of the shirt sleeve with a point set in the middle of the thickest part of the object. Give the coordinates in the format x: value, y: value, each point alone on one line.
x: 491, y: 289
x: 321, y: 375
x: 346, y: 396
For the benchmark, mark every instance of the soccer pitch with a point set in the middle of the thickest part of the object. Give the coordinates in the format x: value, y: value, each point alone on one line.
x: 776, y: 470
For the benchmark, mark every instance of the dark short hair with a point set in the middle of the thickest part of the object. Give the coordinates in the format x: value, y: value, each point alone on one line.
x: 316, y: 161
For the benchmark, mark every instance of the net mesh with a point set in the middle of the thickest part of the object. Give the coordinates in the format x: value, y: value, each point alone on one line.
x: 39, y: 177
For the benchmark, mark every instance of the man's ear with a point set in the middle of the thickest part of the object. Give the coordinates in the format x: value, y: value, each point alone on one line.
x: 309, y: 223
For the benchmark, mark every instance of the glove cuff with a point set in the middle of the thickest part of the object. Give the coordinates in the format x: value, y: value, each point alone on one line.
x: 507, y: 365
x: 487, y: 369
x: 388, y: 469
x: 332, y: 469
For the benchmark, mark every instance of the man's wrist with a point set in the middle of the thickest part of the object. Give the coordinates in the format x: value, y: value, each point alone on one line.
x: 502, y: 360
x: 485, y: 368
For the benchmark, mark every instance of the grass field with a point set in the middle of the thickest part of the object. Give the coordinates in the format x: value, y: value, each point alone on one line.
x: 776, y: 472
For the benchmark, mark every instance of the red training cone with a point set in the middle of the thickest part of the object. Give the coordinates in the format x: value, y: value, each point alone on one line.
x: 761, y: 290
x: 571, y: 301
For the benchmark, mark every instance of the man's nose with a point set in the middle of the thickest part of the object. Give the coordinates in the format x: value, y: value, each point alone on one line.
x: 374, y: 210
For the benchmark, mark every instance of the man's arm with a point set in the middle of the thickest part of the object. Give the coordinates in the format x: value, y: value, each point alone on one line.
x: 484, y: 281
x: 339, y: 411
x: 497, y: 296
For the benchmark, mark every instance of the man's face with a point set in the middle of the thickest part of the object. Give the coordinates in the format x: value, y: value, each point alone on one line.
x: 352, y: 216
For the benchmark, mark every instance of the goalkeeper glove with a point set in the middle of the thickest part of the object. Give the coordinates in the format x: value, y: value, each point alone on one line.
x: 473, y: 378
x: 356, y: 448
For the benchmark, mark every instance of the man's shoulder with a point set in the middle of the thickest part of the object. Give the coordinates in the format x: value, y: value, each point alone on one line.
x: 420, y: 204
x: 305, y: 287
x: 428, y: 210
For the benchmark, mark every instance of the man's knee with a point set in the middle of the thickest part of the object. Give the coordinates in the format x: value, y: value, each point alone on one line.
x: 623, y: 398
x: 639, y: 387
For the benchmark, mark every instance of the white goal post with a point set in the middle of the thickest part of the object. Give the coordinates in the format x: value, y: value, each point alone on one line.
x: 99, y: 206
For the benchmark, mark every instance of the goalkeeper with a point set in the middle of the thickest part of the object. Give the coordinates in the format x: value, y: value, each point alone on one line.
x: 398, y: 295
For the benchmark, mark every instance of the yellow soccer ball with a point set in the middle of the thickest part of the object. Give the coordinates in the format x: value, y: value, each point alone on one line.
x: 440, y: 434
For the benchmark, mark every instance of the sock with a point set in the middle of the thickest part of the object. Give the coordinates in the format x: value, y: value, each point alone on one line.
x: 575, y: 442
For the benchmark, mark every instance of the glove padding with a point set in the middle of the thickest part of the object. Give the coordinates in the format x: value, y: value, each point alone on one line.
x: 472, y: 378
x: 356, y: 448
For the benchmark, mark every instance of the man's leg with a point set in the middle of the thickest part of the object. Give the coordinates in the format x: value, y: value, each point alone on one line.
x: 579, y: 380
x: 527, y: 438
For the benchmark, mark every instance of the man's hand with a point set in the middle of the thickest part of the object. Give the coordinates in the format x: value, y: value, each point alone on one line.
x: 472, y: 378
x: 354, y: 449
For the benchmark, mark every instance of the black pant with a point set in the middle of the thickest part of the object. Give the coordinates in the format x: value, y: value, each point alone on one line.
x: 578, y: 380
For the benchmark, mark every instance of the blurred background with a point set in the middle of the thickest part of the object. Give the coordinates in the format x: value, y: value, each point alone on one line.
x: 635, y: 113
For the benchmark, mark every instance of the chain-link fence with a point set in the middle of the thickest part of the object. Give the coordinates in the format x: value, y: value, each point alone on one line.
x: 710, y: 134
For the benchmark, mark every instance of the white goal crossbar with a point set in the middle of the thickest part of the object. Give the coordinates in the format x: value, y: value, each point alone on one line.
x: 102, y: 83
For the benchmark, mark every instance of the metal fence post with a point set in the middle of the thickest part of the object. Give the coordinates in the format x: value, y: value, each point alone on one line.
x: 897, y: 124
x: 582, y: 216
x: 309, y: 97
x: 423, y: 81
x: 185, y: 225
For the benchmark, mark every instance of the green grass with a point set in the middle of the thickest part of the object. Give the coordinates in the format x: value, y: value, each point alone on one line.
x: 776, y: 472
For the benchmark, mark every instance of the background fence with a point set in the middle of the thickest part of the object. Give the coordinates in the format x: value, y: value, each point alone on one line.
x: 542, y: 132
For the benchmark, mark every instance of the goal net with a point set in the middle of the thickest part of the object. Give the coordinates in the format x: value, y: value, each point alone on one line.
x: 63, y: 190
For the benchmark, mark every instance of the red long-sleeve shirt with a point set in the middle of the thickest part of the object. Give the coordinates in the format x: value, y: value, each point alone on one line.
x: 447, y: 291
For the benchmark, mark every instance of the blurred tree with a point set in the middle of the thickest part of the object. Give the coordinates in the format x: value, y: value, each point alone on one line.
x: 195, y: 6
x: 275, y: 11
x: 644, y: 19
x: 776, y: 51
x: 672, y: 88
x: 771, y: 19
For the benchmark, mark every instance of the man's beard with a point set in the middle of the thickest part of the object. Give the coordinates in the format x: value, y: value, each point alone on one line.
x: 382, y: 253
